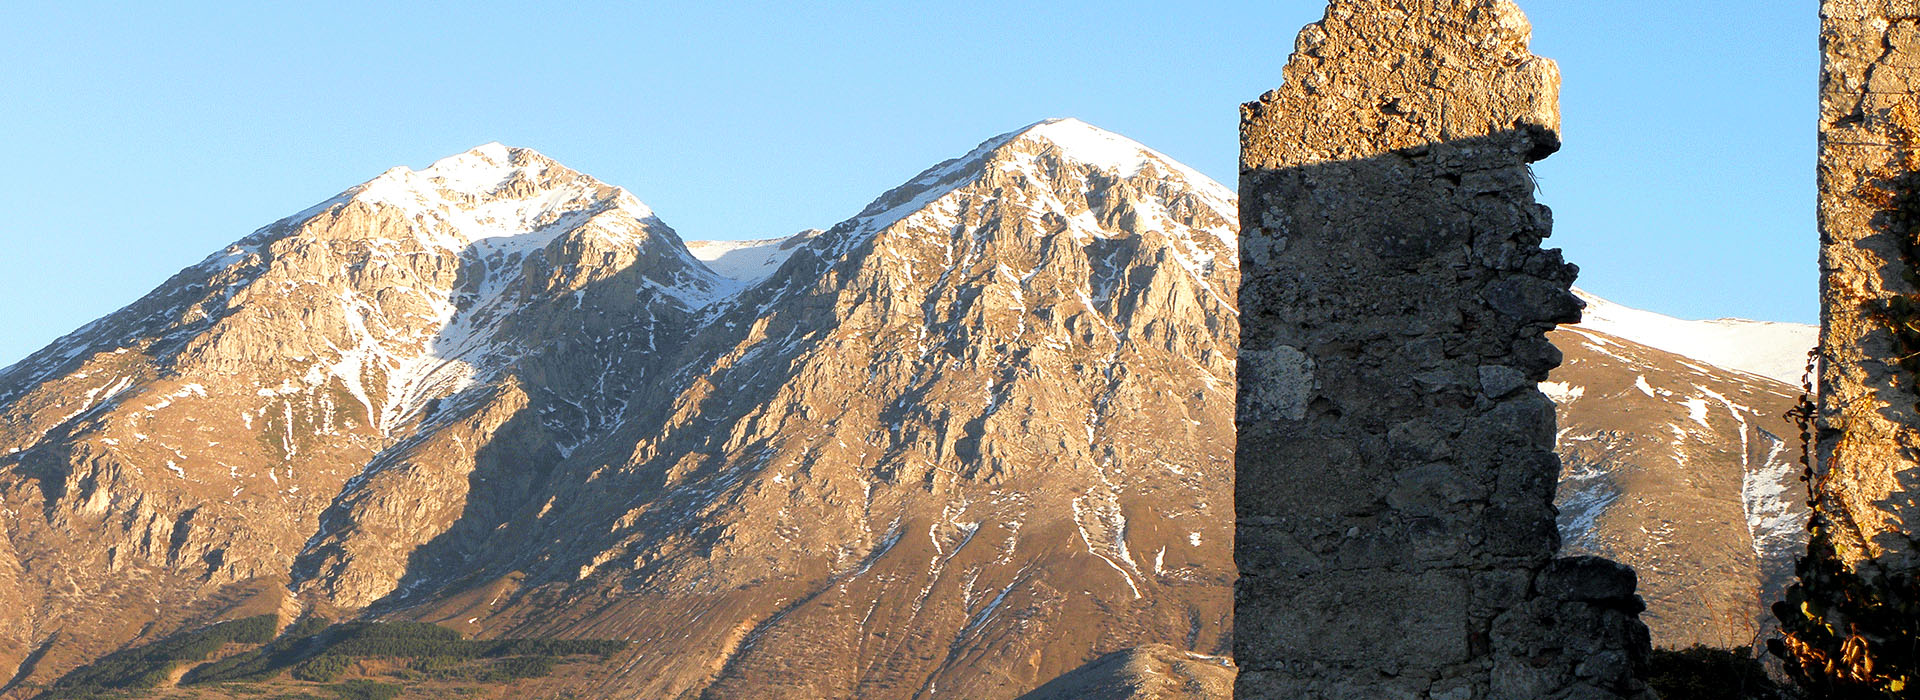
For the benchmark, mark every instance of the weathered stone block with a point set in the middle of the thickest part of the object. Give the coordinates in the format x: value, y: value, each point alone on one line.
x: 1588, y: 580
x: 1497, y: 381
x: 1347, y: 627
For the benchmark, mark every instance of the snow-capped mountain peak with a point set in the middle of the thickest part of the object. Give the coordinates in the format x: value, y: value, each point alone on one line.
x: 1091, y: 145
x: 494, y: 191
x: 1084, y: 177
x: 1079, y: 142
x: 475, y: 172
x: 485, y: 167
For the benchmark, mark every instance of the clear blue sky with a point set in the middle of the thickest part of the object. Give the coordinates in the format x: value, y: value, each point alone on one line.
x: 140, y: 139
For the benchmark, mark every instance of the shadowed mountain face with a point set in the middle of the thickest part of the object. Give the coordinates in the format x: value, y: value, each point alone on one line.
x: 967, y: 441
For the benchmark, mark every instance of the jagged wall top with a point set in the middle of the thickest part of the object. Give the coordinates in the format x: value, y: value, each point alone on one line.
x: 1462, y: 71
x: 1394, y: 461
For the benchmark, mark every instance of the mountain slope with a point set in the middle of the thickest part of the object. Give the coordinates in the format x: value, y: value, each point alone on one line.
x: 903, y: 459
x: 182, y: 452
x: 1774, y: 350
x: 748, y: 261
x: 1683, y: 470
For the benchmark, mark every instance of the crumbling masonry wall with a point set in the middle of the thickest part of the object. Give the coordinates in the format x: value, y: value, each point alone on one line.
x: 1869, y: 208
x: 1395, y: 459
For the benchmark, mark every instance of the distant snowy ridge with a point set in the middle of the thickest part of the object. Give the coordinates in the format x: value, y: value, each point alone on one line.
x: 931, y: 200
x: 748, y: 261
x: 1769, y: 349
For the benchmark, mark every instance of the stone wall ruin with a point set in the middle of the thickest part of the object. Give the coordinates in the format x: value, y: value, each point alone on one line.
x: 1868, y: 210
x: 1395, y: 459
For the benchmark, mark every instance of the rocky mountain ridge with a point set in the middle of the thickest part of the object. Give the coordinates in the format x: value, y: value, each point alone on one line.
x: 499, y: 395
x: 961, y: 443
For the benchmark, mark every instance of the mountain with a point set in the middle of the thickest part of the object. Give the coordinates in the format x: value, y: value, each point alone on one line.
x: 1771, y: 349
x: 230, y: 434
x: 960, y: 443
x: 974, y: 441
x: 1679, y: 461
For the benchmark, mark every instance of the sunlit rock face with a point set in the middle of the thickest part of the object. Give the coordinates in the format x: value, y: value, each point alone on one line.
x: 1869, y: 417
x: 964, y: 442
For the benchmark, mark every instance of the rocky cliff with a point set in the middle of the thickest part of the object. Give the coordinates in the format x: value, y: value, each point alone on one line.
x: 1869, y: 449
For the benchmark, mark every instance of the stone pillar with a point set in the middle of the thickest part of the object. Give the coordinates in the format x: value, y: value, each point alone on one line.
x: 1395, y: 460
x: 1869, y: 212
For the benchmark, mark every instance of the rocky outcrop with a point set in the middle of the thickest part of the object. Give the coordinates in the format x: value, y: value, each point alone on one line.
x: 1395, y: 467
x: 1869, y: 448
x: 1152, y: 672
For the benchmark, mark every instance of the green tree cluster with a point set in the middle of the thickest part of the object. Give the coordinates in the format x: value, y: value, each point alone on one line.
x: 150, y: 665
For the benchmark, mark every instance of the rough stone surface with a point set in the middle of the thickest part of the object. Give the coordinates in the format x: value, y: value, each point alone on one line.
x: 1395, y: 513
x: 1869, y: 151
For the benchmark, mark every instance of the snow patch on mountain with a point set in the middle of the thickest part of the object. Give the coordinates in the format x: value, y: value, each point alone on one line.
x: 1586, y: 491
x: 1769, y: 349
x: 748, y: 261
x: 1767, y: 496
x: 1562, y: 392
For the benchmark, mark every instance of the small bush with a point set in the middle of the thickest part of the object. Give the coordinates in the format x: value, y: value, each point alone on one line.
x: 525, y: 666
x: 436, y: 664
x: 322, y: 669
x: 364, y: 690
